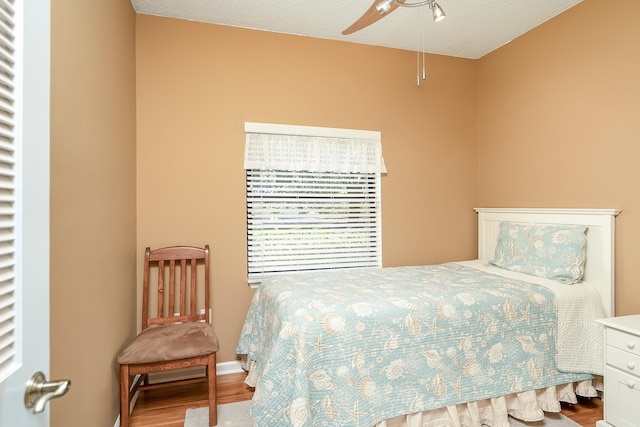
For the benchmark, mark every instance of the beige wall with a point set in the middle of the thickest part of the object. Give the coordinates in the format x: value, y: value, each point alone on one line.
x: 93, y: 211
x: 559, y: 112
x: 197, y: 85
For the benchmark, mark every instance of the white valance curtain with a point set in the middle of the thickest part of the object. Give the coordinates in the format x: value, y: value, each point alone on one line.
x: 312, y: 149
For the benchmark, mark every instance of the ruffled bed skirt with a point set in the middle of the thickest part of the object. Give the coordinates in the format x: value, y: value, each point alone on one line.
x: 525, y: 406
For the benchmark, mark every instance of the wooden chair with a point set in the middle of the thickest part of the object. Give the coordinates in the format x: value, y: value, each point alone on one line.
x: 177, y: 333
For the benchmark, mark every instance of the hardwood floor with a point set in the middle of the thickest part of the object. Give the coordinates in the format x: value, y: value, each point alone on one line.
x: 165, y: 407
x: 586, y: 412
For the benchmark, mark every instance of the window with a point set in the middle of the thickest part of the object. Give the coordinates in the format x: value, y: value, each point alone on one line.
x: 313, y: 199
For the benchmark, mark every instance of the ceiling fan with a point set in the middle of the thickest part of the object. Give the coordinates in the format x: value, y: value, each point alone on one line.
x: 381, y: 8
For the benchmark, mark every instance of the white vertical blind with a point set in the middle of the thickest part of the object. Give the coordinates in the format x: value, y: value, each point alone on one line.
x: 7, y: 190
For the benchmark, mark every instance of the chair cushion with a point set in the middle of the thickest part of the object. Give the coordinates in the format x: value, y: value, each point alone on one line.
x: 170, y: 342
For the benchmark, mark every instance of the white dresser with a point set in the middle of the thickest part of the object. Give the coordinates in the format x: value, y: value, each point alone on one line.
x: 622, y: 372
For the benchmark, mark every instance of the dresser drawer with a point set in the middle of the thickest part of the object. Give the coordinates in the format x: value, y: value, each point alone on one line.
x: 622, y: 394
x: 623, y: 341
x: 623, y: 360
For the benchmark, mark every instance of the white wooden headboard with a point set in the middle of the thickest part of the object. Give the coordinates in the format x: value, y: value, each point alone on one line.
x: 600, y: 264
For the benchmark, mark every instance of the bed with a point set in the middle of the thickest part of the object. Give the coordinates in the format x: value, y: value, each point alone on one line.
x: 464, y: 343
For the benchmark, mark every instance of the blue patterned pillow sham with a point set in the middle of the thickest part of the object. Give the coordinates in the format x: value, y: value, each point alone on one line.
x: 556, y: 252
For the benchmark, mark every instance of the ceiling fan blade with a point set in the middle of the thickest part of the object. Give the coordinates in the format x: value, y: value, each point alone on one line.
x: 369, y: 17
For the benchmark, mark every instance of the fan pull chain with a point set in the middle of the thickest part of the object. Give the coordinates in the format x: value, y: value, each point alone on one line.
x: 418, y: 48
x: 424, y: 66
x: 424, y: 54
x: 418, y: 67
x: 421, y: 50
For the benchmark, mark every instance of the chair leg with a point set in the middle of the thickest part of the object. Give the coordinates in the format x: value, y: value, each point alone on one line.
x: 124, y: 395
x: 212, y: 379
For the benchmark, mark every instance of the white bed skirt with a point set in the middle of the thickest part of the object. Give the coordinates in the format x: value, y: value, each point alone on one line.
x: 525, y: 406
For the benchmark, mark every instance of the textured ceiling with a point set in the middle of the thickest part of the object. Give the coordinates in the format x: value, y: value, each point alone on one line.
x: 472, y: 28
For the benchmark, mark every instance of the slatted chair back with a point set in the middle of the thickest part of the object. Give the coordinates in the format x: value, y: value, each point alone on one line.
x: 171, y: 286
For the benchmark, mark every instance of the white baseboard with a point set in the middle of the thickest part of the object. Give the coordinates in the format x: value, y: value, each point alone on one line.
x: 232, y: 367
x: 223, y: 368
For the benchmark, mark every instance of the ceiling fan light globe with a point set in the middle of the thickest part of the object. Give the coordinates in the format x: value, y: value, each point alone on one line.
x: 384, y: 6
x: 437, y: 12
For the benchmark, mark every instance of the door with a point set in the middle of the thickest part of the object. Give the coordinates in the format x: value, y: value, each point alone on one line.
x: 31, y: 200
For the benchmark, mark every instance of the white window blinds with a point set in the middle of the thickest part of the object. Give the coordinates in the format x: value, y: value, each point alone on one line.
x: 7, y: 192
x: 313, y: 201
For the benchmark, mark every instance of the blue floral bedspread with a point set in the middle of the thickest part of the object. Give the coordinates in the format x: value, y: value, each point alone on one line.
x: 352, y: 348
